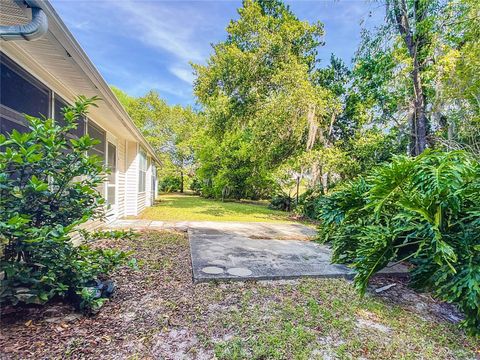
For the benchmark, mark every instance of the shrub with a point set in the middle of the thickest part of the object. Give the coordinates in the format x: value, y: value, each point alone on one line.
x: 425, y: 209
x: 196, y: 186
x: 309, y: 203
x: 170, y: 184
x: 107, y: 234
x: 48, y: 186
x: 281, y: 201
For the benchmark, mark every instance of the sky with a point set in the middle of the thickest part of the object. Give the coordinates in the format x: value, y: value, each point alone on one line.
x: 149, y: 44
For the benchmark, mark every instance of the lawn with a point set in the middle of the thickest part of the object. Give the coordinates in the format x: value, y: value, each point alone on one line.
x: 178, y: 207
x: 158, y: 313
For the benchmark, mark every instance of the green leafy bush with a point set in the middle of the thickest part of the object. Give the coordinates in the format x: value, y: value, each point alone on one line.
x: 48, y: 186
x: 170, y: 184
x: 107, y: 234
x: 196, y: 186
x: 281, y: 201
x: 309, y: 203
x: 425, y: 209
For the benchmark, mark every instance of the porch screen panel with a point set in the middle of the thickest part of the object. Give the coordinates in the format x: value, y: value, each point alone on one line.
x: 111, y: 195
x: 98, y: 133
x: 99, y: 149
x: 112, y: 162
x: 58, y: 105
x: 20, y: 93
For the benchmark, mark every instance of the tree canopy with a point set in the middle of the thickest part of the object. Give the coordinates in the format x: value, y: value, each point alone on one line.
x: 170, y: 130
x: 266, y: 99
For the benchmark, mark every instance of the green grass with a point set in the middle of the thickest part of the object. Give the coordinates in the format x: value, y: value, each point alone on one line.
x: 177, y: 207
x: 318, y: 319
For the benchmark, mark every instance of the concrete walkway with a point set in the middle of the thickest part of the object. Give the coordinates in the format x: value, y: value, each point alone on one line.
x: 253, y: 251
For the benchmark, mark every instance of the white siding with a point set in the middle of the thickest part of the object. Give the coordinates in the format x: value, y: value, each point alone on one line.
x: 131, y: 179
x: 141, y: 202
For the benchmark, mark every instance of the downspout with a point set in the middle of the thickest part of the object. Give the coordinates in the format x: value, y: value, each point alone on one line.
x: 31, y: 31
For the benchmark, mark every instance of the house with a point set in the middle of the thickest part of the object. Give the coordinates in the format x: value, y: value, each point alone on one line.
x: 43, y: 68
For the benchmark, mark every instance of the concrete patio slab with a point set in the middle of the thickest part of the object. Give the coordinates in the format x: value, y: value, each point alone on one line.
x: 253, y: 251
x: 262, y: 251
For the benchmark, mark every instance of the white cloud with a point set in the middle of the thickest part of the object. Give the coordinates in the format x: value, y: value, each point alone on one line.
x: 185, y: 74
x: 140, y: 88
x: 162, y: 27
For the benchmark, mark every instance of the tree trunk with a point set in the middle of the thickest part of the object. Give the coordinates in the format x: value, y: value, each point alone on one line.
x: 181, y: 182
x: 419, y: 117
x: 324, y: 180
x: 312, y: 127
x: 414, y: 42
x: 298, y: 189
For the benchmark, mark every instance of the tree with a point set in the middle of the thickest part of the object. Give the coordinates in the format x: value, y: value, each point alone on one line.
x: 414, y: 22
x: 169, y: 129
x: 457, y: 100
x: 417, y: 72
x: 180, y: 146
x: 150, y: 113
x: 258, y: 85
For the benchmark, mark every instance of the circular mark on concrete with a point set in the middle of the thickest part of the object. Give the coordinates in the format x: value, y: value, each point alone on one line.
x: 239, y: 271
x: 214, y: 270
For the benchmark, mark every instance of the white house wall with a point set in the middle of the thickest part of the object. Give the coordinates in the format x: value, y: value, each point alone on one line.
x: 131, y: 179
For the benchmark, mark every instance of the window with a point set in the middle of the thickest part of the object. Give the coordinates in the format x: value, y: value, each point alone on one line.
x: 98, y: 133
x: 154, y: 183
x: 112, y: 164
x: 20, y: 93
x: 142, y: 171
x: 58, y: 105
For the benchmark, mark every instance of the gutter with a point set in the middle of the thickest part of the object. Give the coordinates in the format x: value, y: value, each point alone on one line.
x: 35, y: 29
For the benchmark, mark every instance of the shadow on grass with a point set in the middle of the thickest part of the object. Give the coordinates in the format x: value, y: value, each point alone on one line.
x: 214, y: 212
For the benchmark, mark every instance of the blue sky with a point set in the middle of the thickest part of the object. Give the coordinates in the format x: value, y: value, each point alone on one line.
x: 143, y: 45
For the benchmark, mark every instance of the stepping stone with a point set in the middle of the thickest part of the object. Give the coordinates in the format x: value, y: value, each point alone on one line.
x: 239, y: 271
x: 214, y: 270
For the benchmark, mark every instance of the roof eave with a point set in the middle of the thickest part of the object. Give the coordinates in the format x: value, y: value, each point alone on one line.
x: 91, y: 71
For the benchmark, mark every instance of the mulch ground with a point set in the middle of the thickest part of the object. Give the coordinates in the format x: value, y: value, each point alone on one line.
x: 157, y: 312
